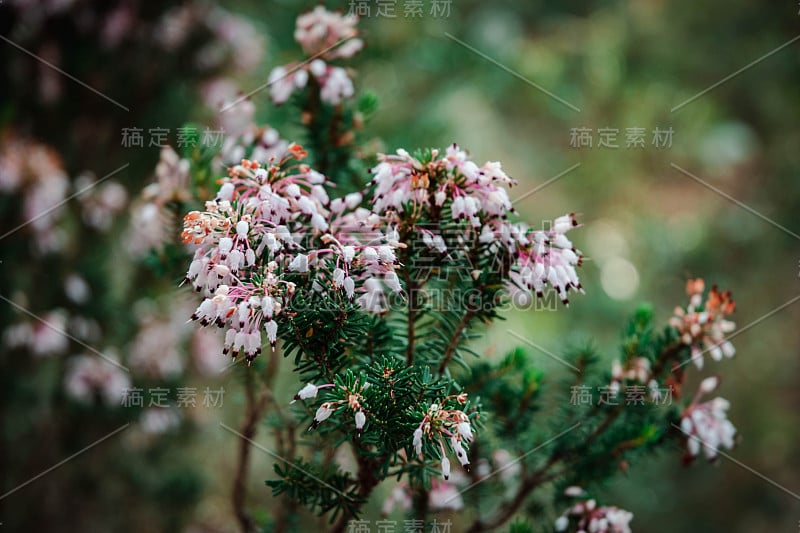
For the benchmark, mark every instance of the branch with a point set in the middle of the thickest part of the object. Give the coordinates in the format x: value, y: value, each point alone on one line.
x: 451, y: 348
x: 254, y: 410
x: 421, y: 503
x: 412, y: 317
x: 367, y: 481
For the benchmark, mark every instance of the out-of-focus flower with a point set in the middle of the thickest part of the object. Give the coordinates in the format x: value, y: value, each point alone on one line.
x: 175, y: 26
x: 51, y: 83
x: 151, y: 224
x: 706, y: 424
x: 77, y: 289
x: 244, y: 41
x: 90, y: 376
x: 101, y: 203
x: 34, y: 173
x: 206, y: 347
x: 149, y: 228
x: 400, y: 496
x: 444, y: 495
x: 85, y: 329
x: 335, y: 83
x: 172, y: 179
x: 703, y: 324
x: 587, y: 517
x: 235, y: 41
x: 155, y: 351
x: 324, y: 36
x: 574, y: 491
x: 319, y: 30
x: 636, y: 369
x: 506, y: 464
x: 159, y: 420
x: 45, y: 337
x: 117, y: 26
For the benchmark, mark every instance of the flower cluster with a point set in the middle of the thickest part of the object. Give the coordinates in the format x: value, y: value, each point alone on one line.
x: 442, y: 425
x: 703, y: 324
x: 449, y: 187
x: 706, y: 424
x: 271, y: 228
x: 324, y: 36
x: 587, y: 517
x: 352, y: 399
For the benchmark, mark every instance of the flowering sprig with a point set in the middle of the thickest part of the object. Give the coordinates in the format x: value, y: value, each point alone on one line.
x: 446, y: 428
x: 269, y: 233
x: 703, y: 324
x: 350, y: 397
x: 277, y: 257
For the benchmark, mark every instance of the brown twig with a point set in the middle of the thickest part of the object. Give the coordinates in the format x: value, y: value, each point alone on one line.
x: 256, y: 402
x: 412, y: 317
x: 254, y: 409
x: 451, y: 348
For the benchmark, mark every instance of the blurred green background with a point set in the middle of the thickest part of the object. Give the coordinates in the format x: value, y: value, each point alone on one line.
x: 647, y: 226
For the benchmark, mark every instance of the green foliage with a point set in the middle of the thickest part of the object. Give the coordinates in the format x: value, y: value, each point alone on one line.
x: 325, y: 489
x: 323, y: 334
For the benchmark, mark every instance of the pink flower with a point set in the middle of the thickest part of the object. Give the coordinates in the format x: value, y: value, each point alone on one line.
x: 43, y: 338
x: 587, y: 516
x: 450, y: 185
x: 324, y: 36
x: 444, y: 496
x: 399, y: 496
x: 702, y: 325
x: 318, y: 32
x: 34, y: 173
x: 707, y: 427
x: 441, y: 425
x: 88, y: 376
